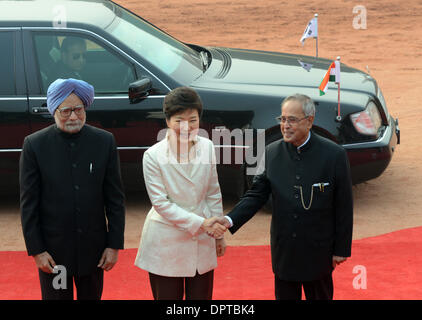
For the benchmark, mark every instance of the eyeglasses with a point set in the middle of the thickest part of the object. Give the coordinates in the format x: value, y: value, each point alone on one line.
x: 290, y: 120
x: 77, y: 56
x: 67, y: 111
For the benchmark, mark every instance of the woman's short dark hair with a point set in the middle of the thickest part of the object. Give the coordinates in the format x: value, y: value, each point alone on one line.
x: 181, y: 99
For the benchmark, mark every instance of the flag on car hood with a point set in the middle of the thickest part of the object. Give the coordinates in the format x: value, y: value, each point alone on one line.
x: 304, y: 65
x: 333, y: 74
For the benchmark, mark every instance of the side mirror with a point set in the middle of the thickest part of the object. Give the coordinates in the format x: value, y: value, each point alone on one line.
x: 139, y: 90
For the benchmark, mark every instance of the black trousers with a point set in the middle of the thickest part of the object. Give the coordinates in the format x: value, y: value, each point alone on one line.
x: 198, y: 287
x: 89, y: 287
x: 314, y: 290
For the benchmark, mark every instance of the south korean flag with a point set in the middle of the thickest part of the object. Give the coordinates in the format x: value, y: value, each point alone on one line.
x: 311, y: 30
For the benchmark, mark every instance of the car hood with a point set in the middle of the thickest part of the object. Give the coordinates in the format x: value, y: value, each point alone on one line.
x: 266, y: 72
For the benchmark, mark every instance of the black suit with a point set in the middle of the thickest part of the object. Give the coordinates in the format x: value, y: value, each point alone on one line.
x: 62, y: 71
x: 303, y: 242
x: 72, y: 201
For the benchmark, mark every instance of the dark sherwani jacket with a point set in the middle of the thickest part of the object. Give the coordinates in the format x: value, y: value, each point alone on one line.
x: 72, y: 200
x: 303, y: 241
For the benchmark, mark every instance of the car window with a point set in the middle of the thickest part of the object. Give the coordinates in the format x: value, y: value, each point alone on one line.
x: 7, y: 64
x: 69, y: 56
x: 161, y: 50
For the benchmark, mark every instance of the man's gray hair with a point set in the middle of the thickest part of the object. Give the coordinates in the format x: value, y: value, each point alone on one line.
x: 308, y: 105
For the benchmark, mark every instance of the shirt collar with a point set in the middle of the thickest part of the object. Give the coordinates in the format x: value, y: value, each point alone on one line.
x: 303, y: 144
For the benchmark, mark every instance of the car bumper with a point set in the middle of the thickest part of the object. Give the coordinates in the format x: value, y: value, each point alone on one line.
x: 369, y: 160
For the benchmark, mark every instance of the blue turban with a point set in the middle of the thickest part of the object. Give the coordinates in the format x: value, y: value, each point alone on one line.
x: 60, y: 89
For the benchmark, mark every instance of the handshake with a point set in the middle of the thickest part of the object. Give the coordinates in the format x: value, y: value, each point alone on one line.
x: 216, y: 226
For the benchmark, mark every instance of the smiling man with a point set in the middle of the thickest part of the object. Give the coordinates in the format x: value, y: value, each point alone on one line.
x: 311, y: 227
x: 72, y: 201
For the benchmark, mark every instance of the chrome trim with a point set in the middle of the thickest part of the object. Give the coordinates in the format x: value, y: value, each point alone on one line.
x: 138, y: 148
x: 13, y: 98
x: 99, y: 38
x: 132, y: 148
x: 103, y: 97
x: 216, y: 146
x: 384, y: 139
x: 125, y: 97
x: 230, y: 146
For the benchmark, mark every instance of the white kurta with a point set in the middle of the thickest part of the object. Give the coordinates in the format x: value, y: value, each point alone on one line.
x: 172, y: 243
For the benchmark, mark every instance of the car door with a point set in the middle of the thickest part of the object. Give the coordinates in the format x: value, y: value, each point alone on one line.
x: 14, y: 125
x: 110, y: 71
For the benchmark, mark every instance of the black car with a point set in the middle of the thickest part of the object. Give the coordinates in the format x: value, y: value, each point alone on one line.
x: 133, y: 64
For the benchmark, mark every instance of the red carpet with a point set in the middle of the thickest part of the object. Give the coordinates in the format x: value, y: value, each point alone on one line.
x: 392, y: 262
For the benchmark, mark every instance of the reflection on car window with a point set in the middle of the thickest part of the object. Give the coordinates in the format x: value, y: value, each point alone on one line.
x: 164, y: 52
x: 7, y: 64
x: 69, y: 56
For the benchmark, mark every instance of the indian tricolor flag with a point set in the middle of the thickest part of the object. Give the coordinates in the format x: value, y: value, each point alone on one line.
x: 333, y: 74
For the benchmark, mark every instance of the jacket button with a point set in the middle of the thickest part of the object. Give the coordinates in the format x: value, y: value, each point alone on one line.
x: 294, y: 235
x: 79, y: 230
x: 296, y: 196
x: 74, y: 165
x: 76, y: 187
x: 72, y: 144
x: 295, y: 216
x: 297, y: 177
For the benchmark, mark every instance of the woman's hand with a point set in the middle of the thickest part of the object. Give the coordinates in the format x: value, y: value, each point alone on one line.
x: 213, y: 227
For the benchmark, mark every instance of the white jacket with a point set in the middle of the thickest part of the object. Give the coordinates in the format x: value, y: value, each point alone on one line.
x: 172, y: 243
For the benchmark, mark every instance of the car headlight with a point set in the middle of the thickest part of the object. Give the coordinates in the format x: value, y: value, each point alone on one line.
x: 368, y: 121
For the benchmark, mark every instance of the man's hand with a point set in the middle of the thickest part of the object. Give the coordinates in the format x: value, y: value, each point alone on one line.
x: 338, y: 260
x: 220, y: 245
x: 108, y: 259
x: 224, y: 222
x: 213, y: 227
x: 45, y: 262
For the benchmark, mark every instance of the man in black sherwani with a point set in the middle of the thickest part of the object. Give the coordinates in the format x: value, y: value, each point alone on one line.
x: 311, y: 229
x: 72, y: 200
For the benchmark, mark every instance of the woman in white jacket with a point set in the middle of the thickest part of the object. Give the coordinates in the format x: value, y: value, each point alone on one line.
x: 182, y: 183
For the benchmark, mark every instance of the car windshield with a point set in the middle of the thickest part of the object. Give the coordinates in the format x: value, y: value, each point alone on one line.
x: 166, y: 53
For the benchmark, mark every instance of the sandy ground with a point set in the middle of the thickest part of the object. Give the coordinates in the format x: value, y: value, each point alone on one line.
x: 392, y: 48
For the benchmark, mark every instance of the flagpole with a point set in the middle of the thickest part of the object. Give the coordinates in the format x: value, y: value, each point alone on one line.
x: 338, y: 118
x: 316, y: 38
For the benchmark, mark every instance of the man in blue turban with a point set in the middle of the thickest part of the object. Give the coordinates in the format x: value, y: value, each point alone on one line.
x: 72, y: 200
x: 65, y: 93
x: 60, y: 89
